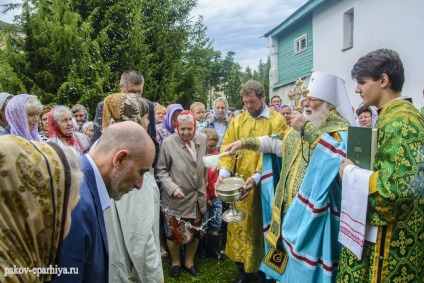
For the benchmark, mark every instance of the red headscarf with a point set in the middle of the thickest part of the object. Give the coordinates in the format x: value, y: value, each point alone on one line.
x: 189, y: 144
x: 55, y: 131
x: 187, y: 112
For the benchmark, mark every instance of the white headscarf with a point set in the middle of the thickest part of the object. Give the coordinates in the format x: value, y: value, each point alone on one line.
x: 332, y: 89
x: 374, y: 115
x: 3, y: 98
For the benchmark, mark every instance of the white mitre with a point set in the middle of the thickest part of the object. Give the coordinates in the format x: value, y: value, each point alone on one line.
x: 332, y: 89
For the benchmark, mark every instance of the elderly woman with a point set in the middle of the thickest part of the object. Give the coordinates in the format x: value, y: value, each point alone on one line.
x: 168, y: 126
x: 87, y: 129
x: 39, y: 188
x: 22, y: 113
x: 219, y: 122
x: 286, y: 110
x: 183, y: 175
x: 61, y: 130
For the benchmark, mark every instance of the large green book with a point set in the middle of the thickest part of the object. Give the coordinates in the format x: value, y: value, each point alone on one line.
x: 362, y: 146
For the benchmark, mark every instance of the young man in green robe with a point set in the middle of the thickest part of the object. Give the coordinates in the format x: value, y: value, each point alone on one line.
x: 395, y: 206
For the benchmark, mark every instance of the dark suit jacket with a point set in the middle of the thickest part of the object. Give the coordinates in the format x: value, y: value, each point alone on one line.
x: 86, y: 246
x: 151, y: 129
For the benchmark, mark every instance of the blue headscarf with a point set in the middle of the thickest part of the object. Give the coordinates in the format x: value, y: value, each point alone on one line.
x: 214, y: 108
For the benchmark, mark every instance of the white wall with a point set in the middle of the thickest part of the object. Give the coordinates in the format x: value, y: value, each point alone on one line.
x: 394, y: 24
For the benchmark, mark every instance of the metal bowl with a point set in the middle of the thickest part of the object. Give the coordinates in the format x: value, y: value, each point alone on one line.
x: 229, y: 191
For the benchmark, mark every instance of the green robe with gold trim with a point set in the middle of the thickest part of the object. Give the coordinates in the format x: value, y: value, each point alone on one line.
x: 395, y: 203
x: 245, y: 238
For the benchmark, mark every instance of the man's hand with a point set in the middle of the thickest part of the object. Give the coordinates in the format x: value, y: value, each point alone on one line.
x: 178, y: 193
x: 209, y: 203
x: 249, y: 185
x: 345, y: 163
x: 233, y: 147
x: 297, y: 120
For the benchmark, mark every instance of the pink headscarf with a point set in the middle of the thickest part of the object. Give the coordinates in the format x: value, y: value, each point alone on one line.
x: 17, y: 118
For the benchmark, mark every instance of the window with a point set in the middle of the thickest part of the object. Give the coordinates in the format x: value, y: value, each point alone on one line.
x: 301, y: 43
x: 348, y: 30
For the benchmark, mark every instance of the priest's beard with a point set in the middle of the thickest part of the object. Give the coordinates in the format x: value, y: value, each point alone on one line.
x: 256, y: 112
x: 318, y: 117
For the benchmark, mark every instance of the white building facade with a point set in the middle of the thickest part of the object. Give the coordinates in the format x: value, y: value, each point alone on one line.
x: 345, y: 30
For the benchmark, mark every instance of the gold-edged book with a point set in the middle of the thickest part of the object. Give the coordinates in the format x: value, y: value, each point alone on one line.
x: 362, y: 146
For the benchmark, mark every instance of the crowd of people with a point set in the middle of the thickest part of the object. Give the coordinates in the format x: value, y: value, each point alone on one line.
x: 134, y: 183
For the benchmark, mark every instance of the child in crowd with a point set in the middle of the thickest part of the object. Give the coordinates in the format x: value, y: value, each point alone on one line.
x: 199, y: 112
x: 213, y: 215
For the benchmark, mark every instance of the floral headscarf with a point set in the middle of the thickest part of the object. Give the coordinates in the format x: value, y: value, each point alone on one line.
x: 120, y: 107
x: 214, y: 108
x: 168, y: 118
x: 34, y: 188
x: 17, y: 118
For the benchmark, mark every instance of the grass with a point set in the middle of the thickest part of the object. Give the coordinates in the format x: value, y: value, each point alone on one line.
x: 211, y: 270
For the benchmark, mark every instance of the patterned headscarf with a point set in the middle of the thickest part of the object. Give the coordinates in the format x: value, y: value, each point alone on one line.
x: 214, y: 108
x: 17, y: 118
x: 120, y: 107
x: 168, y: 117
x: 34, y: 189
x: 55, y: 131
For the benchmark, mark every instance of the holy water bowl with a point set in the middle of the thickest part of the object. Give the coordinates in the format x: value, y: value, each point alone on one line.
x: 229, y: 192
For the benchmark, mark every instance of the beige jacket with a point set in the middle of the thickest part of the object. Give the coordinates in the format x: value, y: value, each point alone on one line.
x: 177, y: 169
x: 132, y: 226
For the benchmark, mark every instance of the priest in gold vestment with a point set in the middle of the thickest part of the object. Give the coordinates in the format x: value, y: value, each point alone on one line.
x: 244, y: 238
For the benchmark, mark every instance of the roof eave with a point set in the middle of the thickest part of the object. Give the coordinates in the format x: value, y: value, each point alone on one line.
x: 300, y: 13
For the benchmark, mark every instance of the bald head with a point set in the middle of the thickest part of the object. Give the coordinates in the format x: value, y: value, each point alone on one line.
x: 124, y: 135
x: 123, y: 154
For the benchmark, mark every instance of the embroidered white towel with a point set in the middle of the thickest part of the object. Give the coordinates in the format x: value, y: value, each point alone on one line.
x: 353, y: 229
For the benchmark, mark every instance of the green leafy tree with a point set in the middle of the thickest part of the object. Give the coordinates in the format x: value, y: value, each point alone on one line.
x: 233, y: 88
x: 12, y: 61
x: 64, y: 63
x: 197, y: 62
x: 75, y: 51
